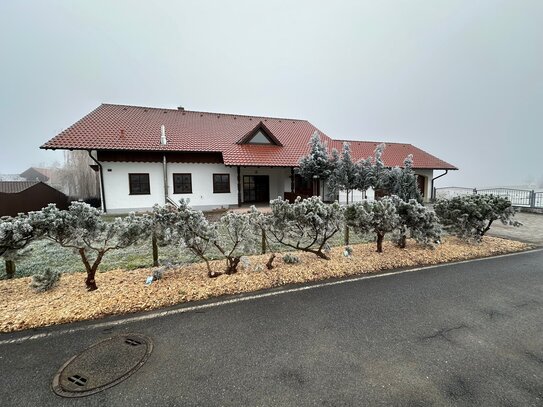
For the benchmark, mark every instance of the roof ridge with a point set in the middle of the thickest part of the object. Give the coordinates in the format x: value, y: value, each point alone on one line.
x: 204, y: 112
x: 376, y: 142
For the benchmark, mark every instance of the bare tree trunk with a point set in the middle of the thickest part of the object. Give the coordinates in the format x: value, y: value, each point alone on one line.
x: 380, y: 237
x: 90, y: 282
x: 346, y: 237
x: 232, y: 264
x: 155, y: 250
x: 10, y: 268
x: 269, y: 264
x: 263, y: 241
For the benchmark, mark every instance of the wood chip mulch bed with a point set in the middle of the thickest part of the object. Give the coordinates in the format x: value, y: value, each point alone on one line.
x: 121, y: 292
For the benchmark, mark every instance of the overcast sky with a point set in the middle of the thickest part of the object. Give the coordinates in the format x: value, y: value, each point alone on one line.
x: 462, y: 80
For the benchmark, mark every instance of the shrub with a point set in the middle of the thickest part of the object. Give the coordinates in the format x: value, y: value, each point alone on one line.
x: 45, y: 280
x: 379, y: 217
x: 348, y: 251
x: 200, y: 236
x: 305, y: 225
x: 82, y: 228
x: 470, y: 217
x: 291, y: 259
x: 418, y: 222
x: 15, y: 234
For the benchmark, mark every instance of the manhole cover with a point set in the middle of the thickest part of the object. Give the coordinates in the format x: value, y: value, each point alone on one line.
x: 103, y: 365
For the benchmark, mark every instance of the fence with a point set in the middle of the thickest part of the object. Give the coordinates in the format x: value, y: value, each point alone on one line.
x: 518, y: 197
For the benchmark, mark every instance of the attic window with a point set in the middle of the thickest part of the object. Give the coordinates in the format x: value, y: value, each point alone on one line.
x: 259, y: 138
x: 260, y: 135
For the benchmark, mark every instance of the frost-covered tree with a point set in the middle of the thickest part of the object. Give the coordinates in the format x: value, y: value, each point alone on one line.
x: 344, y: 177
x: 416, y: 221
x: 344, y: 172
x: 162, y: 228
x: 378, y: 217
x: 316, y: 164
x: 402, y: 182
x: 471, y: 216
x: 201, y: 236
x: 364, y: 174
x: 15, y: 234
x: 305, y: 225
x: 260, y: 222
x: 378, y: 177
x: 81, y: 228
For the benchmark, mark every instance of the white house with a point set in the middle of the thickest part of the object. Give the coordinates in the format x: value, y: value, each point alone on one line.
x: 149, y: 155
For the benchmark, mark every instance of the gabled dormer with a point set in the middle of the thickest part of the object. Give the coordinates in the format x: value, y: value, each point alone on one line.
x: 260, y: 135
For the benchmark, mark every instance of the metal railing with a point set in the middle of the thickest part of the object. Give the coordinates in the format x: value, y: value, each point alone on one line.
x: 518, y: 197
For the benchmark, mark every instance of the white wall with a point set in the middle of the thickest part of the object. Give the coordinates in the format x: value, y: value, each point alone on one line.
x: 202, y: 196
x: 117, y: 190
x: 119, y: 200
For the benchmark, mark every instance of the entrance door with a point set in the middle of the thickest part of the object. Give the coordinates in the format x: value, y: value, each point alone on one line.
x: 256, y: 188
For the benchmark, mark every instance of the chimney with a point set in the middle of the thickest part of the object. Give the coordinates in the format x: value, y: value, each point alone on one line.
x: 122, y: 134
x: 163, y: 140
x: 181, y: 108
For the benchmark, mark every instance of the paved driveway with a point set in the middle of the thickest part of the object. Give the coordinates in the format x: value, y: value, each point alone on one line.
x: 531, y: 230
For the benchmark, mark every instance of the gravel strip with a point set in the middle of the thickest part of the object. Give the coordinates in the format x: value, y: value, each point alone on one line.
x: 122, y: 291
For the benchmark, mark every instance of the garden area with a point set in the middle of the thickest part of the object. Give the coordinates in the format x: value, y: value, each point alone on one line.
x: 67, y: 265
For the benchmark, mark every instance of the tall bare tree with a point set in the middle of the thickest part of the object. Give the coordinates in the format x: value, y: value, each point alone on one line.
x: 79, y: 179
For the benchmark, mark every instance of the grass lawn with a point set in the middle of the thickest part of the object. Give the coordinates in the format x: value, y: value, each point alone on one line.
x: 44, y: 254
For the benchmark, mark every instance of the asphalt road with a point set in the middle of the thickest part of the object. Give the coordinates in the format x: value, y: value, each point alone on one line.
x: 466, y: 334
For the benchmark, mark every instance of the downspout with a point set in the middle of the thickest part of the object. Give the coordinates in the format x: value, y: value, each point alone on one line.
x: 165, y: 170
x: 100, y: 172
x: 433, y: 195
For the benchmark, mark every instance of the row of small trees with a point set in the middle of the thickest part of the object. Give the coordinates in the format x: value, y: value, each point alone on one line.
x: 307, y: 225
x: 339, y: 172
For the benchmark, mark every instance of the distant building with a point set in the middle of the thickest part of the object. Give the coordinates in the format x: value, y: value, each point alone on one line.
x: 26, y: 196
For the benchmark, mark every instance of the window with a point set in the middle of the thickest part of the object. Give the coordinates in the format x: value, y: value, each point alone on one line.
x: 139, y: 184
x: 259, y: 138
x: 221, y: 183
x: 182, y: 183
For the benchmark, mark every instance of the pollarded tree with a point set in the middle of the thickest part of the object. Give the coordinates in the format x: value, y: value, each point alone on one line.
x: 15, y: 234
x: 417, y: 221
x: 83, y: 229
x: 315, y: 165
x: 379, y: 217
x: 305, y: 225
x: 470, y: 217
x: 232, y: 241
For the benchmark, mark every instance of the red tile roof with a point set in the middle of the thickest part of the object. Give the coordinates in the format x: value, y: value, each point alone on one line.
x: 119, y: 127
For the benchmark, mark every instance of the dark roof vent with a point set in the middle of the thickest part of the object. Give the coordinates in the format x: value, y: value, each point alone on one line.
x: 180, y: 108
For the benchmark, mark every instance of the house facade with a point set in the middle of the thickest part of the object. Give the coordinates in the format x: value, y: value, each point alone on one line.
x: 147, y: 156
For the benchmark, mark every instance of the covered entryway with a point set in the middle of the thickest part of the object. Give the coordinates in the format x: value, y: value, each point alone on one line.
x: 256, y: 188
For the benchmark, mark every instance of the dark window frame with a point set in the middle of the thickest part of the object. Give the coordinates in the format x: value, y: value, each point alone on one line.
x: 217, y: 190
x: 131, y: 183
x: 180, y: 191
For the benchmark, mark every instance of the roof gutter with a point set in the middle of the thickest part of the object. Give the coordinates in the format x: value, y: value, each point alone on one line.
x: 433, y: 197
x: 100, y: 172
